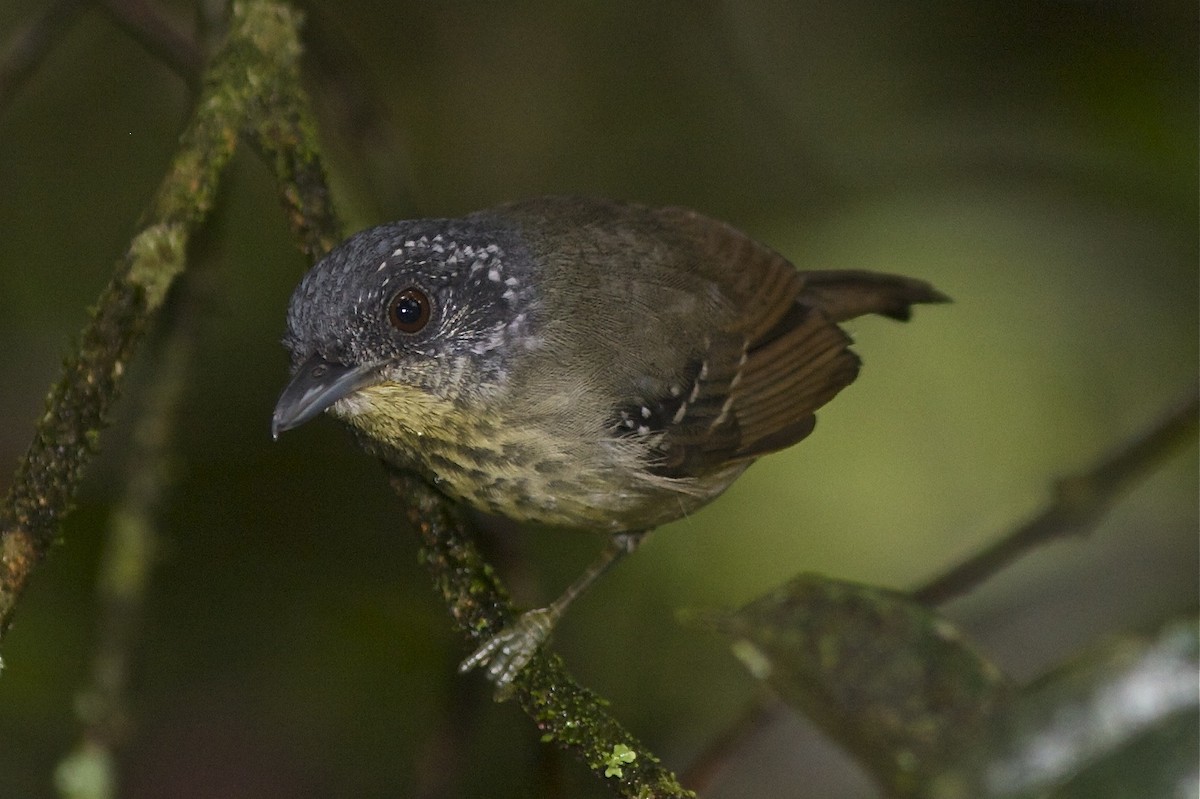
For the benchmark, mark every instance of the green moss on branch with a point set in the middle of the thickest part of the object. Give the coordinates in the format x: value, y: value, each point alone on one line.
x: 568, y: 715
x: 260, y: 56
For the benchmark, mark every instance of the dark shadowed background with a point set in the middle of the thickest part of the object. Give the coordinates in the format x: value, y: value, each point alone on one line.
x: 1035, y: 160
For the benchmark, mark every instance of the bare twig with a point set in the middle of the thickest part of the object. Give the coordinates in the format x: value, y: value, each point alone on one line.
x: 708, y: 765
x: 1079, y: 502
x: 147, y: 25
x: 25, y: 50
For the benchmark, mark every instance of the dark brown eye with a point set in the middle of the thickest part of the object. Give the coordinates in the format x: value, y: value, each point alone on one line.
x: 409, y: 310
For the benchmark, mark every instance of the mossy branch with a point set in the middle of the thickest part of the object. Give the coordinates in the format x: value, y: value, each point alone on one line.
x: 1080, y: 501
x: 568, y: 715
x: 252, y: 90
x: 256, y: 72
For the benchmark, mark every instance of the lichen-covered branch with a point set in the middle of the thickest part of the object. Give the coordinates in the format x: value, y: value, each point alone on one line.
x: 1078, y: 505
x: 259, y: 57
x: 568, y: 715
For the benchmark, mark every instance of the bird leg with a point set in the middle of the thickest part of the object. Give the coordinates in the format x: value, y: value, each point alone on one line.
x: 507, y: 652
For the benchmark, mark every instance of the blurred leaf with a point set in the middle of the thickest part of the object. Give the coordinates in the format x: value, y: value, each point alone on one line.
x: 1122, y: 723
x: 896, y: 686
x: 889, y: 680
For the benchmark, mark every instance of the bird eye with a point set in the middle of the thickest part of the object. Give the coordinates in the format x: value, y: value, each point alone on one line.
x: 409, y: 310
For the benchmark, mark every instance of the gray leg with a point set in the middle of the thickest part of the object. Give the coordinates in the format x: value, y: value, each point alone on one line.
x: 510, y: 650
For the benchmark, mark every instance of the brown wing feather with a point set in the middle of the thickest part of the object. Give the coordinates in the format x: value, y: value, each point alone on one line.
x: 780, y: 358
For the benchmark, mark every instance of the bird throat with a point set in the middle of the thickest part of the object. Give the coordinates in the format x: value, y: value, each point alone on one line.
x: 471, y: 457
x: 399, y: 415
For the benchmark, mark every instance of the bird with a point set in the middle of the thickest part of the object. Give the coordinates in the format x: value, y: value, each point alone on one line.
x: 580, y: 363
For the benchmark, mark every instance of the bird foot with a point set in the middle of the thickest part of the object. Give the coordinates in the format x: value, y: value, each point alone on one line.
x: 509, y: 651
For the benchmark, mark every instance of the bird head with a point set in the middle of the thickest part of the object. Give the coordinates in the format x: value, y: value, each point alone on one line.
x: 405, y: 323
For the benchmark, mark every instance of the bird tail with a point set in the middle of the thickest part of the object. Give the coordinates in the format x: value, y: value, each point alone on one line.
x: 845, y: 294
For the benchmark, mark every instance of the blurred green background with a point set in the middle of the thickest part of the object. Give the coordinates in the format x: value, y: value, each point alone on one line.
x: 1035, y: 160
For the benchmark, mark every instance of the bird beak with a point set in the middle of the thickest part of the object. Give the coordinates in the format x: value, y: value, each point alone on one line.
x: 315, y: 386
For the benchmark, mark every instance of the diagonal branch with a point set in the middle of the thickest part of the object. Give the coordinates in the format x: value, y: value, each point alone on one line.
x: 1079, y: 503
x: 147, y: 25
x: 23, y: 51
x: 253, y: 88
x: 569, y: 715
x: 260, y: 56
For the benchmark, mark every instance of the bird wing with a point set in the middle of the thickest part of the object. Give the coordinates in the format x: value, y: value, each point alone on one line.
x: 757, y: 380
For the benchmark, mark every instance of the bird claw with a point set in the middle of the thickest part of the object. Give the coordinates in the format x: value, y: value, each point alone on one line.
x: 508, y: 652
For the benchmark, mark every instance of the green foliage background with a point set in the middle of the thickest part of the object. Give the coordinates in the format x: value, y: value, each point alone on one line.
x: 1035, y: 160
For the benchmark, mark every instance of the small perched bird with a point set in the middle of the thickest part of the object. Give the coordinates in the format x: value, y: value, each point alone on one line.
x: 575, y: 362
